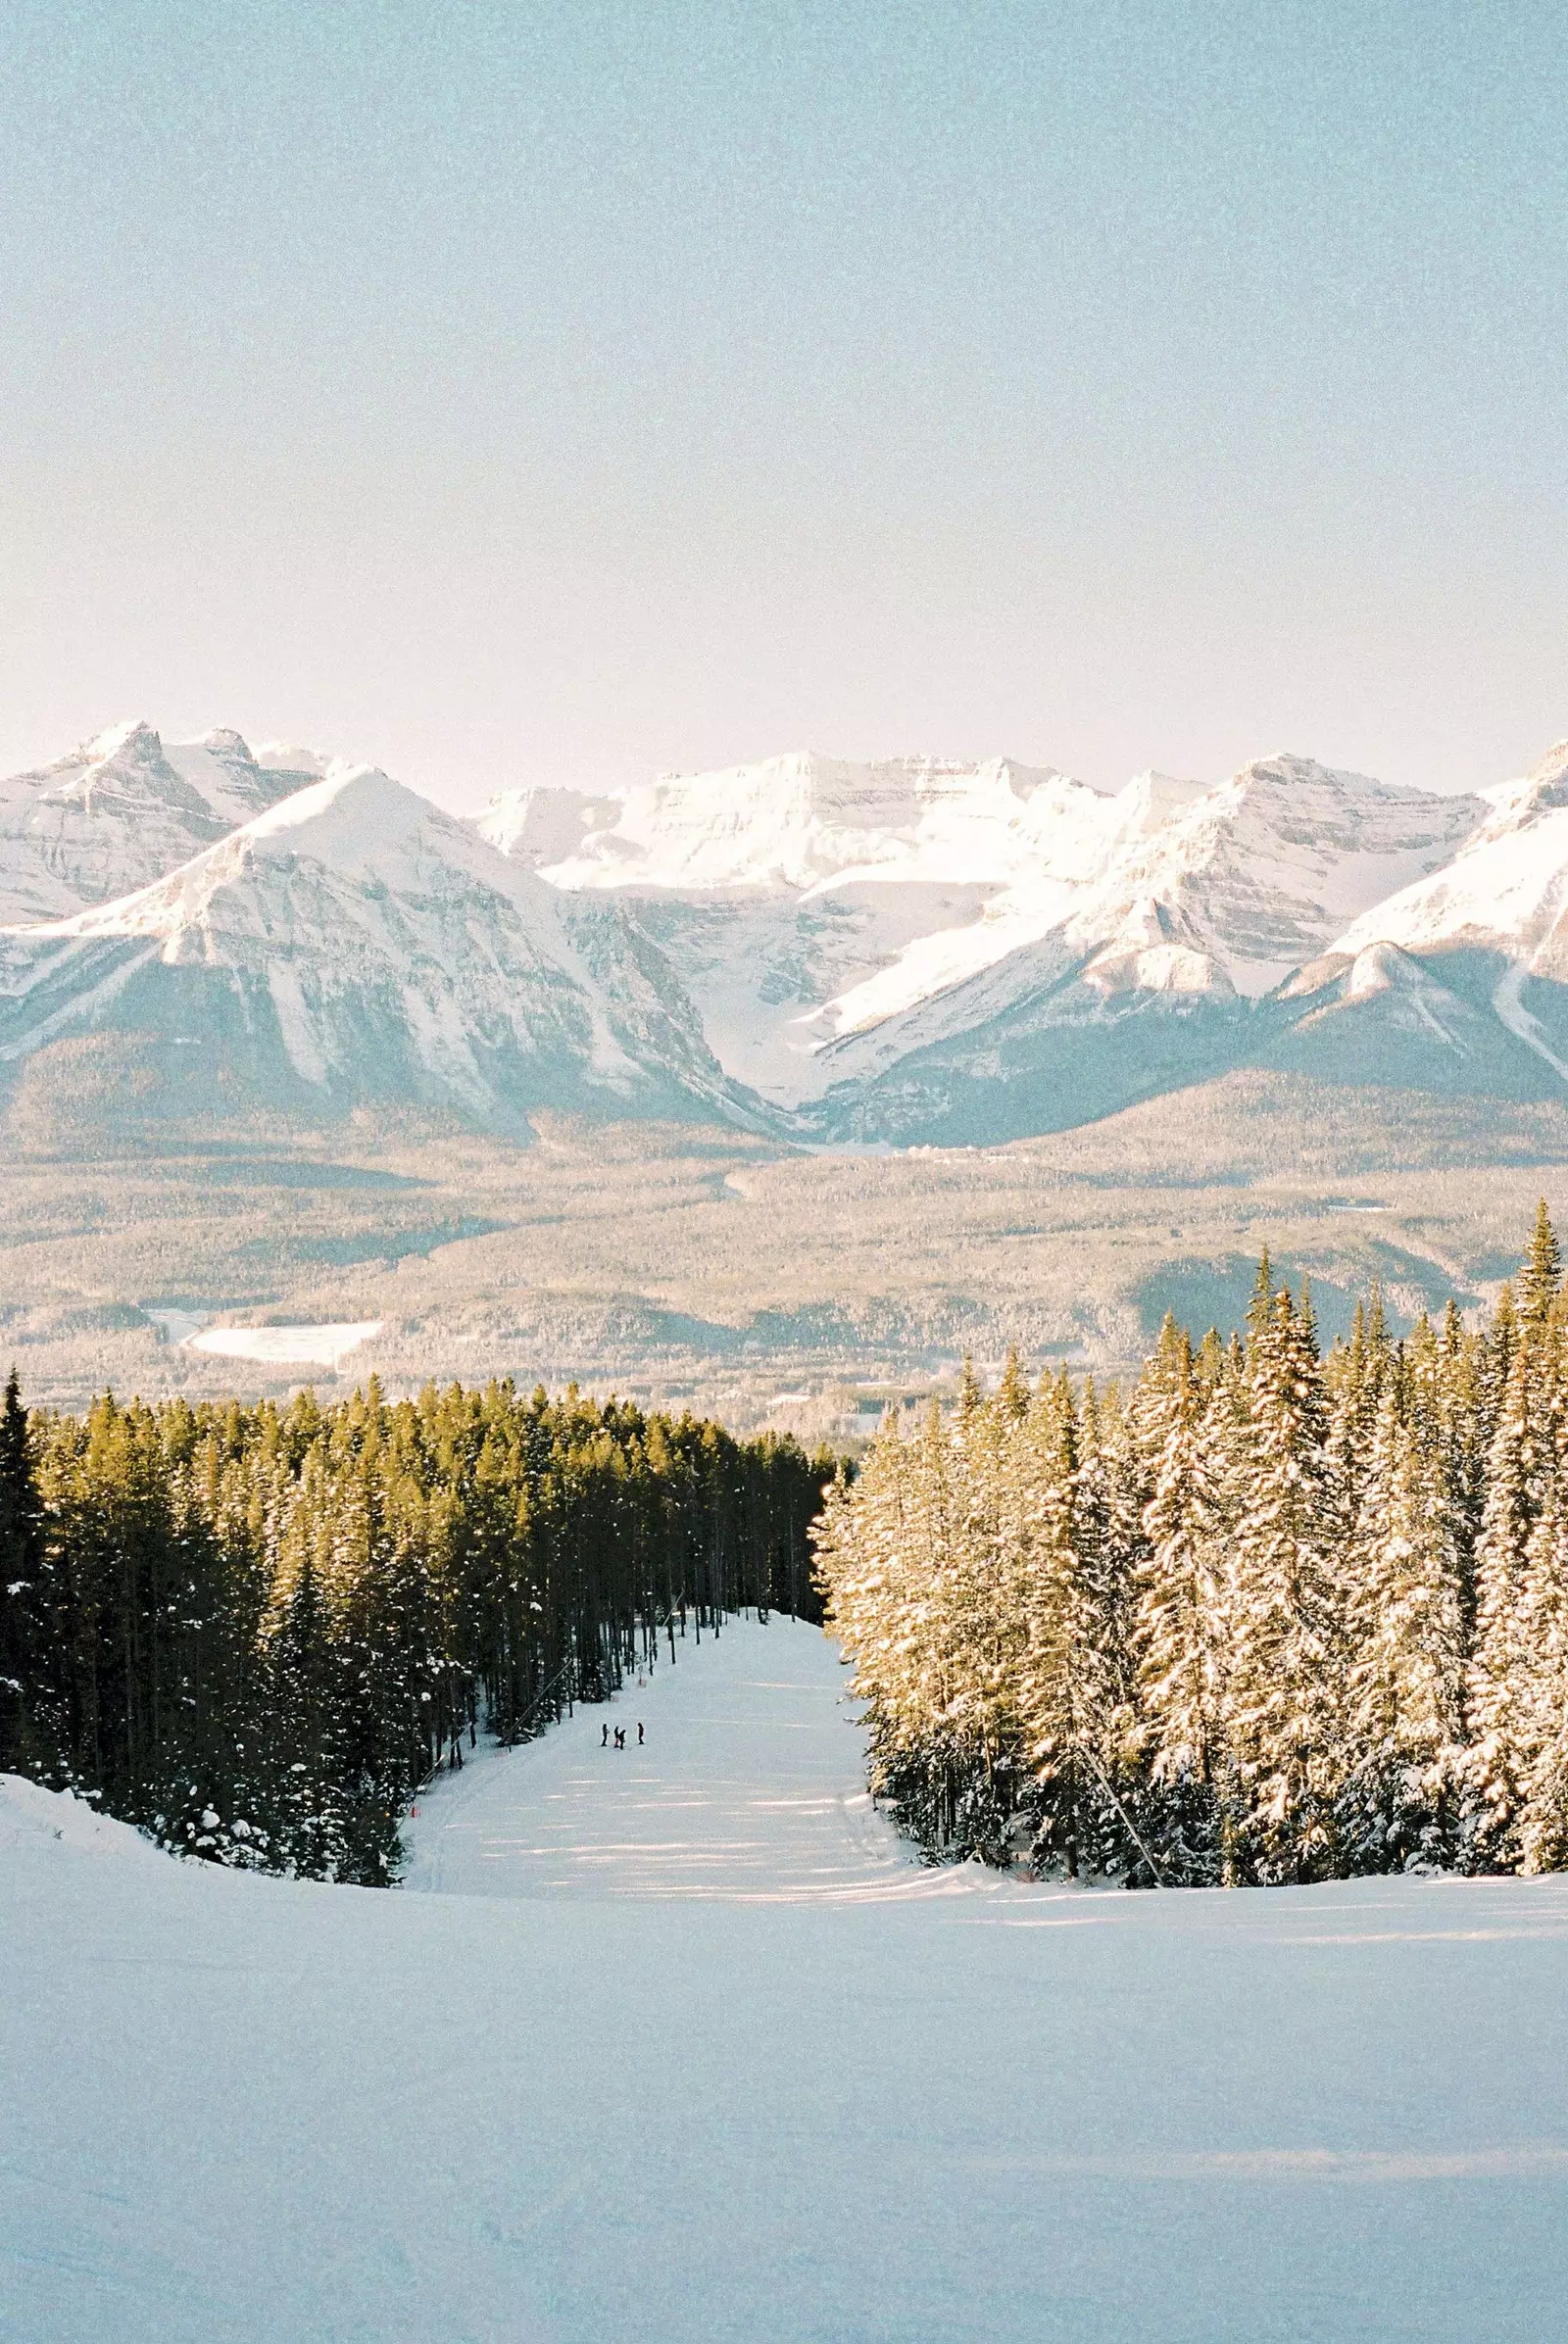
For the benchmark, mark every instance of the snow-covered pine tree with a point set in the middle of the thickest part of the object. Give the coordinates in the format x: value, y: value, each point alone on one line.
x: 1541, y: 1273
x: 1354, y: 1377
x: 1540, y: 1708
x: 1051, y: 1685
x: 881, y: 1544
x: 1285, y: 1693
x: 1108, y: 1542
x: 1524, y: 1477
x: 1180, y: 1621
x: 1407, y: 1636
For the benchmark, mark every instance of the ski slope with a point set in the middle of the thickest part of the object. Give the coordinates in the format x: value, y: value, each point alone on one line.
x: 677, y: 2048
x: 750, y: 1785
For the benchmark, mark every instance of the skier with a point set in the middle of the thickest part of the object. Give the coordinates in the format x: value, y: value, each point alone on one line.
x: 603, y: 1738
x: 639, y: 1733
x: 621, y: 1737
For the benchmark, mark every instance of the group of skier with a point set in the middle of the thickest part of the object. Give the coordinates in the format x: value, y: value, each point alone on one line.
x: 621, y: 1737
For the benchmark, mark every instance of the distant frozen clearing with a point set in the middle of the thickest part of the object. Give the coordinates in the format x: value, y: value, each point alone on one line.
x: 676, y: 2043
x: 283, y: 1347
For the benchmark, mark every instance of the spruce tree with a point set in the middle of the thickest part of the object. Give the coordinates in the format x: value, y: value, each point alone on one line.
x: 1406, y: 1630
x: 1524, y: 1487
x: 1180, y: 1630
x: 1540, y: 1277
x: 24, y: 1620
x: 1285, y: 1693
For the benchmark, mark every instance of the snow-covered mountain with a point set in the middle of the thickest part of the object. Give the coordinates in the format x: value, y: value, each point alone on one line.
x: 909, y: 950
x: 793, y: 822
x: 922, y: 950
x: 125, y: 808
x: 804, y: 897
x: 1488, y: 931
x: 351, y: 942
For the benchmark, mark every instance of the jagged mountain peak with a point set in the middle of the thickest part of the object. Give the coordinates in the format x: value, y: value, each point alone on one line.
x: 119, y: 811
x: 352, y: 942
x: 1516, y: 804
x: 373, y: 836
x: 1553, y: 770
x: 134, y: 739
x: 224, y: 742
x: 1503, y: 890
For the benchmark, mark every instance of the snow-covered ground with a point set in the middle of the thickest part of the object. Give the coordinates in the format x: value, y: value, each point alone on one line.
x: 692, y: 2067
x: 750, y: 1786
x: 307, y: 1347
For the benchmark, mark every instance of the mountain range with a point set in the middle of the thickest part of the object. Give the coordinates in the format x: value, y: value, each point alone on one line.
x: 888, y: 954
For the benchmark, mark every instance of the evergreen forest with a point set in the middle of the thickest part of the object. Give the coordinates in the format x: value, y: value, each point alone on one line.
x: 1269, y: 1616
x: 255, y: 1632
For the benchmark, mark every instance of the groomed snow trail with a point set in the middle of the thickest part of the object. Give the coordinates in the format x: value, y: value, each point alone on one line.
x: 708, y: 2061
x: 750, y: 1785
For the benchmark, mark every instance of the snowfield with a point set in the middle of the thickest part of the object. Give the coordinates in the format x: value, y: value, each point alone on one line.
x: 313, y: 1346
x: 675, y: 2043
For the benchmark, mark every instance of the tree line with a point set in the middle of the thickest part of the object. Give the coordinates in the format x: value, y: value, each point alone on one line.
x: 257, y: 1630
x: 1272, y: 1616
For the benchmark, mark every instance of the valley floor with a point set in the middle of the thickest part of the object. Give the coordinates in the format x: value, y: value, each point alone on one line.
x: 676, y: 2043
x: 689, y: 1266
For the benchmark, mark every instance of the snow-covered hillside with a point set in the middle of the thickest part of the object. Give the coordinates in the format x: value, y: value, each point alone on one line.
x: 125, y: 808
x: 352, y: 942
x: 248, y: 2110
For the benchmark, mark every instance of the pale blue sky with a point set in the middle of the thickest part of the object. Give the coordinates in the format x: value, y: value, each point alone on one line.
x: 511, y: 392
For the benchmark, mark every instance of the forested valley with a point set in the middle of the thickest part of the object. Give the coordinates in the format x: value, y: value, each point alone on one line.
x: 1268, y: 1617
x: 256, y: 1631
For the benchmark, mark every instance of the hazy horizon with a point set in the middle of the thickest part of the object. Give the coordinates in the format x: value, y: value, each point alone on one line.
x: 471, y: 796
x: 513, y: 394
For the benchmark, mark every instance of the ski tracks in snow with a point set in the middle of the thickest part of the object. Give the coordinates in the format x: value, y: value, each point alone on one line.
x: 751, y: 1788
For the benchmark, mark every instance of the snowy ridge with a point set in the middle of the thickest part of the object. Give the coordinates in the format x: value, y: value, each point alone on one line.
x: 122, y: 810
x: 913, y: 950
x: 372, y: 946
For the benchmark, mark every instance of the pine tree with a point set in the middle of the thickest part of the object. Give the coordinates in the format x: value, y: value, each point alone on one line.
x: 1284, y: 1695
x: 1541, y: 1278
x: 1524, y: 1487
x: 1407, y: 1628
x: 1055, y: 1685
x: 24, y: 1624
x: 1180, y: 1625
